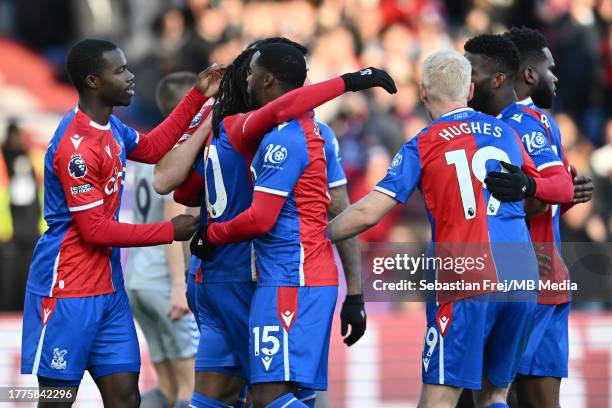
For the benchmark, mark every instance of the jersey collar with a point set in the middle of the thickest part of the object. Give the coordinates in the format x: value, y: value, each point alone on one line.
x: 526, y: 102
x: 454, y: 111
x: 91, y: 122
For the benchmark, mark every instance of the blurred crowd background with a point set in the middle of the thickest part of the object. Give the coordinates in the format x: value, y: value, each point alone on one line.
x: 160, y: 37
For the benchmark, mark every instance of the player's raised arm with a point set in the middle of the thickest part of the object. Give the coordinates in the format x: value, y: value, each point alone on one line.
x: 175, y: 167
x: 150, y: 148
x: 247, y: 130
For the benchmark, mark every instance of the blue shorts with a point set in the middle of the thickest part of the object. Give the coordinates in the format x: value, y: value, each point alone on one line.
x: 470, y: 338
x: 223, y: 315
x: 290, y: 329
x: 547, y: 350
x: 63, y: 337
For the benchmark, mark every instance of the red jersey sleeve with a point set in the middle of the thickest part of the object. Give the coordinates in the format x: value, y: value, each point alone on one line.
x: 151, y: 147
x: 252, y: 222
x: 245, y: 131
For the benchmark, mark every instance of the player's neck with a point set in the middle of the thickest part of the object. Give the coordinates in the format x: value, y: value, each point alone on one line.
x: 522, y: 91
x: 93, y: 108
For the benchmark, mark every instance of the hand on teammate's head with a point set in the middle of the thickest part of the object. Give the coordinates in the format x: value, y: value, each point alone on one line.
x: 208, y: 80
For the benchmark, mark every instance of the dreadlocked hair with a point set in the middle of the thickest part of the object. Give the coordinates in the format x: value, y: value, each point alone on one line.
x: 232, y: 97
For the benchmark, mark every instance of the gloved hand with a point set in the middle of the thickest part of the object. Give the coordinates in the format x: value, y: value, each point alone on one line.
x: 512, y: 186
x: 353, y: 314
x: 200, y: 246
x: 369, y: 78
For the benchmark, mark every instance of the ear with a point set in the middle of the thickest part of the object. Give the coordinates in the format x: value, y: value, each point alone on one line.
x: 530, y: 75
x: 422, y: 92
x: 470, y: 92
x: 497, y: 80
x: 268, y: 80
x: 91, y: 81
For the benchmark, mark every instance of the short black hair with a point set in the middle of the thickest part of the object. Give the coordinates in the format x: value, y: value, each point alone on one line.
x: 170, y: 89
x: 285, y: 62
x: 529, y: 42
x: 85, y: 58
x: 232, y: 97
x: 279, y: 40
x: 500, y: 51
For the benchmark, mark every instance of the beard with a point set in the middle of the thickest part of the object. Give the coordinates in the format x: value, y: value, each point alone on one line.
x: 253, y: 101
x: 543, y: 96
x: 479, y: 101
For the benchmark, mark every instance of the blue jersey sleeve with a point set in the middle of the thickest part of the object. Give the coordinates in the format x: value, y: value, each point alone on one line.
x: 283, y: 159
x: 534, y: 136
x: 335, y: 172
x: 403, y: 174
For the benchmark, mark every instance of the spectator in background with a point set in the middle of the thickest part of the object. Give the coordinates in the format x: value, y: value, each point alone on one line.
x: 25, y: 214
x: 155, y: 279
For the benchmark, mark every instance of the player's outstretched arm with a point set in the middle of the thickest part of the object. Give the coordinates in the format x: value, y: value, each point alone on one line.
x: 553, y: 185
x: 353, y: 310
x: 361, y: 216
x: 173, y: 169
x: 96, y: 229
x: 150, y: 148
x: 247, y: 131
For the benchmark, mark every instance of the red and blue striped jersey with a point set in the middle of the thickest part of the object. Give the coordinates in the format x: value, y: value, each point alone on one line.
x: 541, y: 138
x: 448, y: 161
x: 291, y: 163
x: 84, y: 168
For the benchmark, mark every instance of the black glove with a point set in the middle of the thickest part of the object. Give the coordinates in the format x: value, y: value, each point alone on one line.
x: 512, y: 186
x: 369, y: 78
x: 353, y: 313
x: 200, y: 246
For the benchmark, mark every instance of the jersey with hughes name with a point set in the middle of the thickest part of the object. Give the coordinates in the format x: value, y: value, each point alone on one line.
x: 84, y: 168
x: 229, y: 191
x: 541, y: 138
x: 291, y: 162
x: 448, y: 161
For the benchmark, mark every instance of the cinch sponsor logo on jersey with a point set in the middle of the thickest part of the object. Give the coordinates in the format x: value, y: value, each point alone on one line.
x: 465, y: 128
x: 112, y: 185
x: 534, y: 141
x: 58, y: 362
x: 80, y: 189
x: 77, y: 166
x: 275, y: 154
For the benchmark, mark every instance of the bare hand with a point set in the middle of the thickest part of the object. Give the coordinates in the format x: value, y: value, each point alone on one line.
x: 208, y: 80
x: 184, y: 226
x: 178, y: 302
x: 583, y: 189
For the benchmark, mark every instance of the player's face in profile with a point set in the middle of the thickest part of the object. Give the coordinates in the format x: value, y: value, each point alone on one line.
x: 116, y: 80
x: 544, y: 92
x: 255, y: 82
x: 481, y: 77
